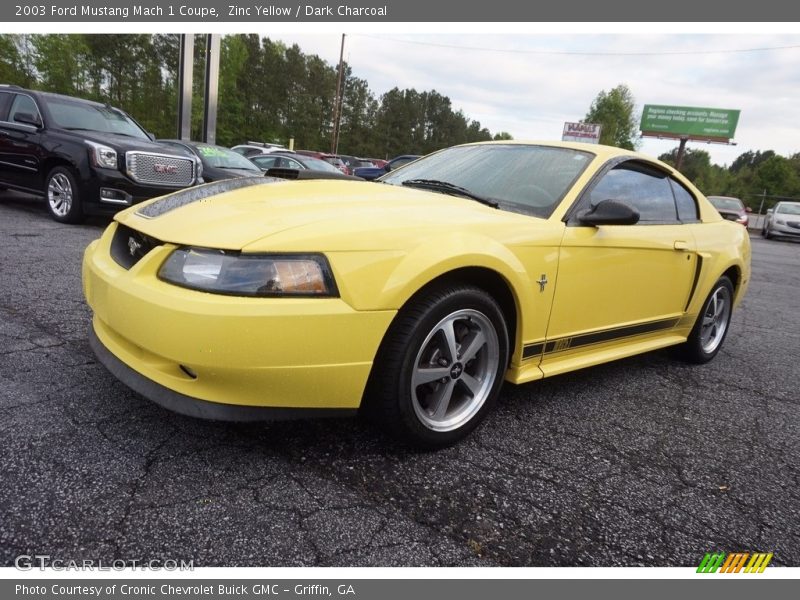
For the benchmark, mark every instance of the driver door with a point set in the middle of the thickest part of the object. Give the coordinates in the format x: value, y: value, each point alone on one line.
x: 620, y: 284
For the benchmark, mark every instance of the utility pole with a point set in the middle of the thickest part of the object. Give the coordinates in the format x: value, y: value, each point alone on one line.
x: 337, y: 106
x: 763, y: 198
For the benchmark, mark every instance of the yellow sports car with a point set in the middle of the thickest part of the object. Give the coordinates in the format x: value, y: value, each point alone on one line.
x: 412, y: 298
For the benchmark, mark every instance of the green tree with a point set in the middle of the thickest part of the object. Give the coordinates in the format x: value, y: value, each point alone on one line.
x: 614, y: 110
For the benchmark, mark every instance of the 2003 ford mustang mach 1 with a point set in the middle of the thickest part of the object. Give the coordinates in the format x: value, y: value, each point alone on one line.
x: 413, y: 298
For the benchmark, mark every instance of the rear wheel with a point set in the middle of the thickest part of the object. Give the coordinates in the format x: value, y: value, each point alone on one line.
x: 440, y: 367
x: 63, y: 197
x: 711, y: 327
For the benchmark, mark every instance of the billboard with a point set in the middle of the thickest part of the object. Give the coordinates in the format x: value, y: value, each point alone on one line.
x: 689, y: 122
x: 582, y: 132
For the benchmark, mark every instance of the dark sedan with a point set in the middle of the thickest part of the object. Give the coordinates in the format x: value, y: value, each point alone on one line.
x: 281, y: 160
x: 370, y: 173
x: 218, y: 162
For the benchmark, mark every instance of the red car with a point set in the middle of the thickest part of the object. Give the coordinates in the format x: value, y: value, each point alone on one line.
x: 730, y: 208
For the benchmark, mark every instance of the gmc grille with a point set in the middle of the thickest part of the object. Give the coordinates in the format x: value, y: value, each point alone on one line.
x: 129, y: 246
x: 160, y: 169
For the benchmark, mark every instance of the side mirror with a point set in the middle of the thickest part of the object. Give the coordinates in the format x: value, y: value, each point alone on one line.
x: 770, y: 211
x: 609, y: 212
x: 28, y: 119
x: 748, y: 209
x: 387, y: 167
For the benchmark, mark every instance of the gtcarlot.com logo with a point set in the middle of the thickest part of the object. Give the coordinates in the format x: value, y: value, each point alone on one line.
x: 734, y: 562
x: 27, y: 562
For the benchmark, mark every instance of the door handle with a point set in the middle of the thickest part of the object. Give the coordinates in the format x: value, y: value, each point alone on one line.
x: 680, y: 245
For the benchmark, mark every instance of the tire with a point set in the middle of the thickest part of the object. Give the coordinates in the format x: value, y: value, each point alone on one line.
x: 713, y: 322
x: 417, y: 389
x: 767, y: 233
x: 63, y: 197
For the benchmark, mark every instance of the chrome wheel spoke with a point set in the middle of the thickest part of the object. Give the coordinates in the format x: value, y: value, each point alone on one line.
x: 471, y: 383
x: 442, y: 401
x: 423, y: 375
x: 477, y: 342
x: 449, y: 333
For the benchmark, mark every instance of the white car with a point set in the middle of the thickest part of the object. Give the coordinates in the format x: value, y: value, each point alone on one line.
x: 255, y: 148
x: 782, y: 220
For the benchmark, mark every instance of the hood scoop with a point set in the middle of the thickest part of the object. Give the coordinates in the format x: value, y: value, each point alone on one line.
x: 198, y: 194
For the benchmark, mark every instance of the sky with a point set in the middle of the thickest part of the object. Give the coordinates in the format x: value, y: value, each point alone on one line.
x: 529, y: 85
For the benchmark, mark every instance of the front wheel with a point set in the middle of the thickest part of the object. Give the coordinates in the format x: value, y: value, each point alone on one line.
x: 63, y: 196
x: 440, y: 366
x: 711, y: 327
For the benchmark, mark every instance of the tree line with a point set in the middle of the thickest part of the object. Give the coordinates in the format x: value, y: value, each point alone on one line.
x: 268, y: 91
x: 754, y: 176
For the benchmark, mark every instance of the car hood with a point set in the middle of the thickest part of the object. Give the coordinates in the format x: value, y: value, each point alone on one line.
x: 310, y: 215
x: 124, y: 143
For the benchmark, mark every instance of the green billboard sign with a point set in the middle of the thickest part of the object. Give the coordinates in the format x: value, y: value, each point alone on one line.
x: 689, y: 121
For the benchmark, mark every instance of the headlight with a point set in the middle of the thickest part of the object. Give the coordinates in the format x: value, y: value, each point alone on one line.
x: 225, y: 272
x: 102, y: 156
x: 780, y: 222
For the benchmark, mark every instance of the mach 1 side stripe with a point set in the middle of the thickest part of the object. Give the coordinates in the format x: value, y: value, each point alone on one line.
x: 596, y: 337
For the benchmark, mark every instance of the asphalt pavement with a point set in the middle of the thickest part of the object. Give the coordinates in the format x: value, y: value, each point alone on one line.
x: 645, y: 461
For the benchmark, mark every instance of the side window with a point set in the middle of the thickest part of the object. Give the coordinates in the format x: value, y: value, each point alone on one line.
x: 23, y: 104
x: 266, y: 163
x: 687, y: 205
x: 645, y: 189
x: 5, y: 100
x: 293, y: 164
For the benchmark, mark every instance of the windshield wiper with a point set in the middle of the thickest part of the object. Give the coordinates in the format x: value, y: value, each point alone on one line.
x: 449, y: 188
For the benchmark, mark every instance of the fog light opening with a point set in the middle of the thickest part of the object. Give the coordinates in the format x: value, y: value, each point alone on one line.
x: 114, y: 196
x: 188, y: 371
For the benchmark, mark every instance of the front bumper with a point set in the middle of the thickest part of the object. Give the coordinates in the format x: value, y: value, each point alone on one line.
x: 178, y: 345
x: 132, y: 192
x: 777, y: 229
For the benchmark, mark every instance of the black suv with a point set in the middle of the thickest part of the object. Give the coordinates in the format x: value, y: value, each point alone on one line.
x: 86, y: 158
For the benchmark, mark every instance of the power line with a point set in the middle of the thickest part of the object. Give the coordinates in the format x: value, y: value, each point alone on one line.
x: 572, y: 53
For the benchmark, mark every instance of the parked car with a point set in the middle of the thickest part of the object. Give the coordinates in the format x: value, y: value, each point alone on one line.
x: 255, y: 148
x: 337, y: 162
x: 84, y: 158
x: 374, y: 172
x: 732, y: 209
x: 282, y: 160
x: 782, y: 220
x: 414, y: 300
x: 218, y: 162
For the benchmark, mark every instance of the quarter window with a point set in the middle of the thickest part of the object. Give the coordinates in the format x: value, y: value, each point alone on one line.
x: 687, y: 205
x: 640, y: 187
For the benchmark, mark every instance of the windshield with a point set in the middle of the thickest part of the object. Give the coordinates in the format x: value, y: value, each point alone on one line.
x: 93, y: 117
x: 222, y: 158
x: 318, y: 165
x: 788, y: 209
x: 726, y: 203
x: 529, y: 178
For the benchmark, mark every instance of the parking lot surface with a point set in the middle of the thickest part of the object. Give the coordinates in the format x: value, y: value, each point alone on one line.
x: 646, y: 461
